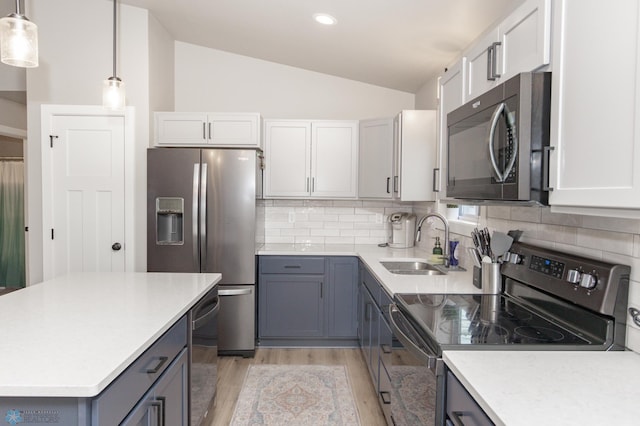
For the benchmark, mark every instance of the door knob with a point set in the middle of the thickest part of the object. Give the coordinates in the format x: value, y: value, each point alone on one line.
x: 116, y: 246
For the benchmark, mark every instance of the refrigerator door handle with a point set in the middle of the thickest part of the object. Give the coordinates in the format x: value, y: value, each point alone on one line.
x: 194, y: 209
x: 203, y: 218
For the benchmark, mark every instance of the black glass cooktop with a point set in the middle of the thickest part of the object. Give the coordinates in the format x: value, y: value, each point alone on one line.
x: 448, y: 320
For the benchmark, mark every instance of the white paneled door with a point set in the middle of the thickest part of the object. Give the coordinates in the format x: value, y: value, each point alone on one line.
x: 87, y: 194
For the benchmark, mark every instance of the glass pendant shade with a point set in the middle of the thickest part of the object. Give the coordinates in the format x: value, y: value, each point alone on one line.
x: 113, y: 93
x: 18, y: 41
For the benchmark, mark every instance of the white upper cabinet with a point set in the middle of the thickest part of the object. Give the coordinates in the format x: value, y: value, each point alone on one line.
x: 414, y: 155
x: 375, y: 165
x: 481, y: 63
x: 451, y: 95
x: 287, y: 148
x: 234, y: 130
x: 521, y: 43
x: 525, y: 39
x: 595, y: 124
x: 306, y: 158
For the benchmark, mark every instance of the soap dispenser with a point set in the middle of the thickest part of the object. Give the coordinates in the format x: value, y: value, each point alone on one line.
x: 437, y: 249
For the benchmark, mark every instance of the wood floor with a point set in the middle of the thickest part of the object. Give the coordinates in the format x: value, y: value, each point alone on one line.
x: 232, y: 371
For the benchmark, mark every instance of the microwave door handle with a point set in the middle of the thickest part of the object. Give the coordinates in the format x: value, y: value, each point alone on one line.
x: 492, y: 133
x: 512, y: 135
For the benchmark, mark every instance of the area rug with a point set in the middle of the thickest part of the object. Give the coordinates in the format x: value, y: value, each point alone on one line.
x: 413, y: 395
x: 307, y: 395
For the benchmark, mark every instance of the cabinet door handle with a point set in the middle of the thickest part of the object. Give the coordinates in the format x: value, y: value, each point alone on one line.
x: 494, y: 61
x: 386, y: 397
x: 307, y: 184
x: 435, y: 187
x: 490, y: 63
x: 209, y: 130
x: 321, y: 288
x: 313, y: 185
x: 160, y: 404
x: 161, y: 361
x: 455, y: 418
x: 395, y: 184
x: 388, y: 185
x: 204, y: 131
x: 546, y: 161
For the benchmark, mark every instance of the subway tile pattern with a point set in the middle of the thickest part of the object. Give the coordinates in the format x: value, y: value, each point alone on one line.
x: 329, y: 221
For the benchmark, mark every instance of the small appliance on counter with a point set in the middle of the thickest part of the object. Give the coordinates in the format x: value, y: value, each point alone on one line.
x: 403, y: 229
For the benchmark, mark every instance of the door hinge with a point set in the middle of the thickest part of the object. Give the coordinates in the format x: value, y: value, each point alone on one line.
x: 52, y: 233
x: 51, y: 138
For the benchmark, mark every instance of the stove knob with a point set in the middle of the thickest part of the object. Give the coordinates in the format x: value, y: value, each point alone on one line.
x: 588, y: 281
x: 573, y: 276
x: 515, y: 258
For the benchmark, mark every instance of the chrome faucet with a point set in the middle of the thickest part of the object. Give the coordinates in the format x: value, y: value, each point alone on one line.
x: 445, y: 249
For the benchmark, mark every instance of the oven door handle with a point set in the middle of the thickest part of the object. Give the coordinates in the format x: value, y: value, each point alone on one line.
x: 430, y: 359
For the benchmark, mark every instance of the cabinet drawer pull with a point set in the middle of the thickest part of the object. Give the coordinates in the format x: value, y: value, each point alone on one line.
x: 386, y: 349
x: 455, y: 418
x: 161, y: 361
x: 291, y: 266
x: 386, y: 397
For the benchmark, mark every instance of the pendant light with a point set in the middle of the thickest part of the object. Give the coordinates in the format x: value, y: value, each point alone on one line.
x: 113, y: 93
x: 18, y: 40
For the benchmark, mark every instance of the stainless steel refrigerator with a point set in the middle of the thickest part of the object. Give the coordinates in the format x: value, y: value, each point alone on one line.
x: 201, y: 217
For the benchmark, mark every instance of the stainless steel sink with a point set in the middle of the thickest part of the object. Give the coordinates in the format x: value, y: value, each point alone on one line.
x: 412, y: 268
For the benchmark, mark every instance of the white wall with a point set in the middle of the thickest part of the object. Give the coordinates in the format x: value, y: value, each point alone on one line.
x: 426, y: 96
x: 13, y: 114
x: 161, y: 69
x: 213, y: 80
x: 75, y: 57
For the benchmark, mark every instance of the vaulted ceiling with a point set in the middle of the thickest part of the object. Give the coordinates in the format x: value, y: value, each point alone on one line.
x: 399, y: 44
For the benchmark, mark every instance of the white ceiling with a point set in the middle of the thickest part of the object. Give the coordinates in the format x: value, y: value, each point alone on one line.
x: 399, y: 44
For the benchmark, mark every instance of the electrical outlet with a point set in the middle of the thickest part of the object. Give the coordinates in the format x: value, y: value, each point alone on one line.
x: 292, y: 217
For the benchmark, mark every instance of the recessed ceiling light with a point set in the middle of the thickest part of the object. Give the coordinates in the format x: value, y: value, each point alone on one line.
x: 325, y: 19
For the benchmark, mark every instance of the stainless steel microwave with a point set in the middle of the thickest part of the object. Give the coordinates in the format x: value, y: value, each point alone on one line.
x: 498, y: 144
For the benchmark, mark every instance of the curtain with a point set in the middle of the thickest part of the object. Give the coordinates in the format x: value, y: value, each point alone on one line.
x: 12, y: 244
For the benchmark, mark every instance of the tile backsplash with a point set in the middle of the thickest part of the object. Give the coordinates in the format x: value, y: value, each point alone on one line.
x: 329, y: 221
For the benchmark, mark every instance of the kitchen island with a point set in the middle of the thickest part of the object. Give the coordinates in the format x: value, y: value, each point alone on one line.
x: 71, y: 336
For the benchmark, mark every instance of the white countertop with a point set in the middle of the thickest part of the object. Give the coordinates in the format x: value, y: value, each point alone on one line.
x: 371, y: 255
x: 71, y: 336
x: 552, y: 388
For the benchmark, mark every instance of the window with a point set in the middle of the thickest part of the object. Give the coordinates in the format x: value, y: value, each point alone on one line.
x: 468, y: 213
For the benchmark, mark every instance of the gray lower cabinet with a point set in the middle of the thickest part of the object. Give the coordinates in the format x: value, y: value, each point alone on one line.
x: 307, y: 300
x: 166, y: 402
x: 461, y: 408
x: 375, y: 336
x: 154, y: 388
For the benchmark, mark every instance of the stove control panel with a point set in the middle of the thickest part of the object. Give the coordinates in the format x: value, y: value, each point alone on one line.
x: 547, y: 266
x: 590, y: 283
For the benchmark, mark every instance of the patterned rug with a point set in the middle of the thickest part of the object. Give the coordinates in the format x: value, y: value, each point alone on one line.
x: 296, y: 395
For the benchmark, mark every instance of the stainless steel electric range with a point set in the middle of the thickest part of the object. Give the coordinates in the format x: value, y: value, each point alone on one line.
x: 550, y: 301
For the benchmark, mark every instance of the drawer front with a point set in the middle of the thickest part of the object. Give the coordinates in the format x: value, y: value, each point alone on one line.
x: 113, y: 404
x: 291, y: 265
x: 461, y: 406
